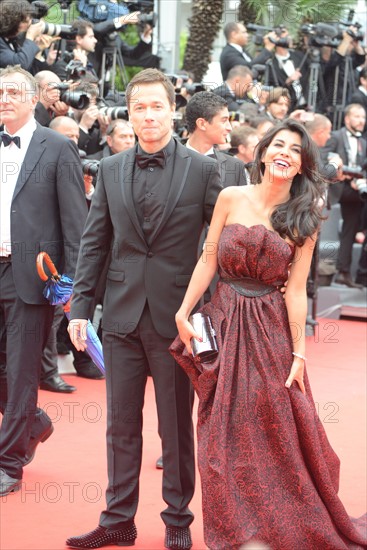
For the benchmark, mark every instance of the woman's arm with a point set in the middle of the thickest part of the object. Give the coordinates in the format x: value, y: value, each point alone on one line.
x: 296, y: 303
x: 204, y: 271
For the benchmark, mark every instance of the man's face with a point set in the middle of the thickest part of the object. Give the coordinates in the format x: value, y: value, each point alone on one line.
x: 324, y: 134
x: 240, y: 36
x: 242, y: 86
x: 48, y: 94
x: 355, y: 119
x: 151, y: 113
x: 247, y: 151
x: 70, y: 129
x: 87, y: 42
x: 217, y: 131
x: 279, y: 109
x: 122, y: 138
x: 17, y: 101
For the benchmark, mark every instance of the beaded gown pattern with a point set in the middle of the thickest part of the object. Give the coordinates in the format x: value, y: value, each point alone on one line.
x: 268, y: 472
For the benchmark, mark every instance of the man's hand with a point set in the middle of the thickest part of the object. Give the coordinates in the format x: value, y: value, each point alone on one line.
x: 80, y: 55
x: 60, y: 108
x: 35, y: 30
x: 90, y: 115
x: 130, y: 18
x: 77, y: 330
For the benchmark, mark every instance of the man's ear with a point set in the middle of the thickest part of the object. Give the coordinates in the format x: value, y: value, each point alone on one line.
x: 201, y: 123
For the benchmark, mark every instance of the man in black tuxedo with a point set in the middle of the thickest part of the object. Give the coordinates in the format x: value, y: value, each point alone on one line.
x: 360, y: 95
x: 235, y: 53
x: 150, y: 205
x: 207, y: 120
x: 352, y: 148
x: 42, y: 209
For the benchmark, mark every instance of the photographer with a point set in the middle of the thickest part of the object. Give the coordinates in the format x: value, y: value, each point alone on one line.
x: 84, y: 45
x: 18, y: 34
x: 119, y: 137
x: 235, y: 53
x: 234, y: 89
x: 335, y: 64
x: 352, y: 148
x: 49, y: 104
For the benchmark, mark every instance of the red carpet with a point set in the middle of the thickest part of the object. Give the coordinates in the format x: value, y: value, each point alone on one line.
x: 63, y: 489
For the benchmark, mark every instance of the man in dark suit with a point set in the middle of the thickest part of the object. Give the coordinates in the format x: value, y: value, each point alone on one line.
x: 42, y: 209
x: 234, y: 90
x: 150, y: 205
x: 207, y: 120
x: 235, y: 53
x: 352, y: 148
x: 360, y: 95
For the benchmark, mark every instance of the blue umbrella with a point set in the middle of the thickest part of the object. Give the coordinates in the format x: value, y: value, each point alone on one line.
x: 58, y: 290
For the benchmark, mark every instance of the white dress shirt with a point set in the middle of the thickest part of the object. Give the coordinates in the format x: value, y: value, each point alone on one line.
x: 11, y: 160
x: 244, y: 54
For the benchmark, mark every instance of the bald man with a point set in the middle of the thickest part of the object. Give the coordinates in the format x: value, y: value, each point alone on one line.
x: 66, y: 126
x: 49, y: 104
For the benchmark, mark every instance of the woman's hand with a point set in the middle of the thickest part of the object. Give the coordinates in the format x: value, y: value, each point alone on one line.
x: 297, y: 374
x: 186, y: 331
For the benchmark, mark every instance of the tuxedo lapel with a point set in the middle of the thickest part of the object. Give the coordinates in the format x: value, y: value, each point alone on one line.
x: 34, y: 153
x: 182, y: 163
x: 127, y: 175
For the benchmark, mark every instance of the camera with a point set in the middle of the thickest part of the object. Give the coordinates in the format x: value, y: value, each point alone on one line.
x: 349, y: 23
x: 75, y: 70
x: 148, y: 19
x: 353, y: 172
x: 90, y: 167
x: 238, y: 116
x: 115, y: 112
x: 260, y: 31
x: 321, y: 34
x: 77, y: 100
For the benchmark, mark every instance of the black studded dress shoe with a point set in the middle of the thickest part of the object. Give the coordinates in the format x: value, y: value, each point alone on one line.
x: 177, y: 538
x: 8, y: 484
x: 34, y: 441
x: 56, y: 384
x: 104, y: 537
x: 345, y: 279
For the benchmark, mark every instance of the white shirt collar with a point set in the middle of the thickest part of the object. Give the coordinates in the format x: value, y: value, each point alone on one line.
x: 26, y: 131
x: 236, y: 46
x: 363, y: 90
x: 210, y: 152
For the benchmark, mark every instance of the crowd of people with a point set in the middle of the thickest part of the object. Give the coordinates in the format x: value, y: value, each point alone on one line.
x: 212, y: 211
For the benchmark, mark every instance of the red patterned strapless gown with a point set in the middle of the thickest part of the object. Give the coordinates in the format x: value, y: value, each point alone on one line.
x: 268, y: 472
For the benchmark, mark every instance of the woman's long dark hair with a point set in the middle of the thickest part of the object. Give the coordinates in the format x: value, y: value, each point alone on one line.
x: 301, y: 215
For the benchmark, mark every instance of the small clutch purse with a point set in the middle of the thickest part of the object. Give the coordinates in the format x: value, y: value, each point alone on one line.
x: 207, y: 350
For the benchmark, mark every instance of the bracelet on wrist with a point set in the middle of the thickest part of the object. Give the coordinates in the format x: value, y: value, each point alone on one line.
x: 299, y: 355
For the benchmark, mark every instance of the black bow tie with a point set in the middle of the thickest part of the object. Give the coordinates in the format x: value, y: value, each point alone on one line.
x: 6, y: 139
x: 354, y: 134
x: 156, y: 159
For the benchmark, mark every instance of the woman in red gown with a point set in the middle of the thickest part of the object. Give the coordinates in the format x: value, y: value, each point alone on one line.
x: 268, y: 472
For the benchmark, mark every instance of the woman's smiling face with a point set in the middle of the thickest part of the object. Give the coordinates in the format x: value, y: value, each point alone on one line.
x: 282, y: 158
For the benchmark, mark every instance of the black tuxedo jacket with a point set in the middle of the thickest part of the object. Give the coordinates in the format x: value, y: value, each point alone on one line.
x: 138, y: 273
x: 224, y: 91
x: 230, y: 57
x: 232, y: 170
x: 48, y: 211
x: 338, y: 143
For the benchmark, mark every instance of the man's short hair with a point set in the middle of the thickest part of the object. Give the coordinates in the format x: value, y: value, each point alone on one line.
x: 239, y: 70
x: 204, y: 105
x: 352, y: 106
x: 14, y: 69
x: 229, y: 28
x: 118, y: 122
x: 319, y: 122
x: 81, y: 26
x: 150, y: 76
x: 241, y: 134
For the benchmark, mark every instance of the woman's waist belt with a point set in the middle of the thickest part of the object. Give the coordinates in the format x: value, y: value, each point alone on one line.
x: 252, y: 288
